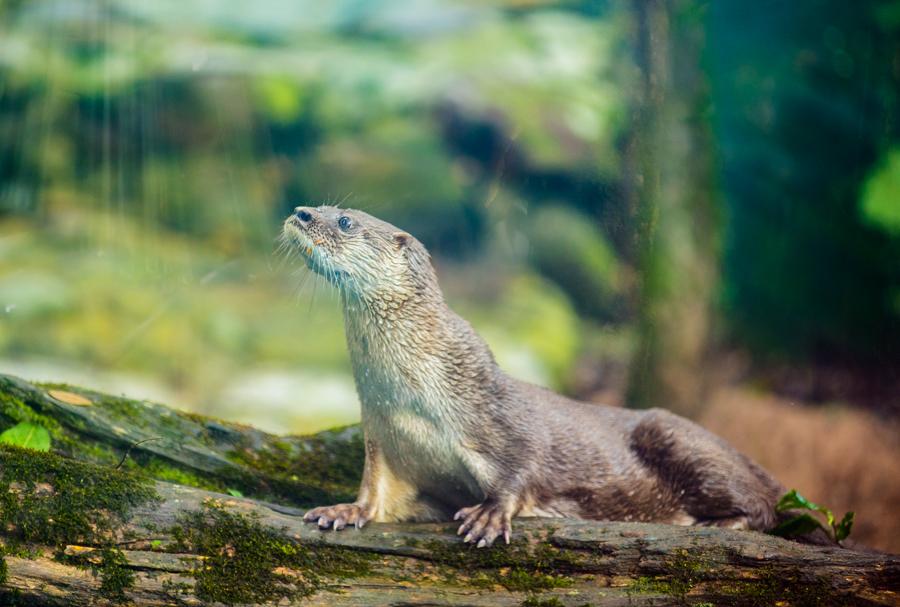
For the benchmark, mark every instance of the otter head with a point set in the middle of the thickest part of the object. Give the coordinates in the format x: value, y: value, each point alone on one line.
x: 365, y: 257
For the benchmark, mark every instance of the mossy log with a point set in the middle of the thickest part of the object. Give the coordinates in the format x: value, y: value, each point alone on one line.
x: 79, y: 529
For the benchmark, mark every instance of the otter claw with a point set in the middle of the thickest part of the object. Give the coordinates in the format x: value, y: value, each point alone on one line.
x: 484, y: 523
x: 338, y: 517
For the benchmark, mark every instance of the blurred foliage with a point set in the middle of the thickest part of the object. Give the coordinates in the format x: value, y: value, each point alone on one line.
x: 153, y: 151
x: 807, y: 106
x: 880, y: 202
x: 537, y: 333
x: 566, y: 244
x: 150, y: 149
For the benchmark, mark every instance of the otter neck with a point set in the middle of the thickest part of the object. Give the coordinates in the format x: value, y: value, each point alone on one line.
x: 403, y: 308
x: 414, y: 351
x: 387, y: 320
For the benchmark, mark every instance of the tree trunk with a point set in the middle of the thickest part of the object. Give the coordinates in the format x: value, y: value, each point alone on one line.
x: 178, y: 544
x: 677, y: 215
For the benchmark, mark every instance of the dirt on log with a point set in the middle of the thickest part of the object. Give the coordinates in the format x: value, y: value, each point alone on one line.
x: 205, y: 512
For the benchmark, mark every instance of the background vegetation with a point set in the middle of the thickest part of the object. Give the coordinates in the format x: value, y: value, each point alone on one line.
x: 682, y: 203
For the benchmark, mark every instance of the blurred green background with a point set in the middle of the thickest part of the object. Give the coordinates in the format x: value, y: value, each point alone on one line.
x: 632, y: 201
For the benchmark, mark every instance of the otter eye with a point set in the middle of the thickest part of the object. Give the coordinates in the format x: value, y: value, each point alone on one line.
x: 345, y: 223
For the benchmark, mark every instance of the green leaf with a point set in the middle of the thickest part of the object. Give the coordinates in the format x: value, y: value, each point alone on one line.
x: 799, y: 525
x: 235, y: 493
x: 793, y: 500
x: 842, y: 529
x: 26, y: 434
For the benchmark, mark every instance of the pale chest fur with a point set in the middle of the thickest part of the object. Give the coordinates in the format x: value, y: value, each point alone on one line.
x: 411, y: 411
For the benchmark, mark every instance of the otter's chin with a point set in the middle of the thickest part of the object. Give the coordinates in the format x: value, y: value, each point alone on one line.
x: 297, y: 237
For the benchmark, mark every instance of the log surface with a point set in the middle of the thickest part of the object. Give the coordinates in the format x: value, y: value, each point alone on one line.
x: 551, y: 563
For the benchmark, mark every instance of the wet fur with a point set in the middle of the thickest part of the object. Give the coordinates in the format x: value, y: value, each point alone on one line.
x: 448, y: 431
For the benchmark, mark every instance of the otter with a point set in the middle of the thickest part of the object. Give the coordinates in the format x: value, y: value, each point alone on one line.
x: 448, y: 434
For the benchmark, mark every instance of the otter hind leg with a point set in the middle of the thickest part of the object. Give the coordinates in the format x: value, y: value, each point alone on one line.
x: 712, y: 482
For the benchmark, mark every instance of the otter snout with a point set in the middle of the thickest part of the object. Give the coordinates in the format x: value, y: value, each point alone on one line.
x: 304, y: 214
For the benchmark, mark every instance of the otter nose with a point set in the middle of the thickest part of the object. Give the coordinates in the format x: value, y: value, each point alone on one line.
x: 303, y: 214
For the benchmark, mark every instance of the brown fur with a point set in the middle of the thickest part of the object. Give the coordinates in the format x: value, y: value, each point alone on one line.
x: 448, y: 431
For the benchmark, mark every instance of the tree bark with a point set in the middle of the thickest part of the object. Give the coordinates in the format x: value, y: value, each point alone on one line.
x: 678, y: 221
x: 165, y: 545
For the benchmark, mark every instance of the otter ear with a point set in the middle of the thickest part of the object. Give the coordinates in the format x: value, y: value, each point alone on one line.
x: 401, y: 239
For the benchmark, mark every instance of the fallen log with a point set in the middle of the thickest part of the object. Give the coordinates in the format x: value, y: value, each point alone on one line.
x: 78, y: 529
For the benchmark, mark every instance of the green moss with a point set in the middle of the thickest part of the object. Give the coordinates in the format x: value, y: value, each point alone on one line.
x: 52, y: 500
x: 534, y: 601
x: 14, y: 410
x: 684, y: 573
x: 247, y: 562
x: 529, y: 580
x: 786, y: 586
x: 322, y: 468
x: 4, y: 570
x: 18, y: 405
x: 115, y: 576
x: 301, y: 471
x: 48, y: 499
x: 164, y: 470
x: 648, y: 585
x: 522, y: 566
x: 110, y: 565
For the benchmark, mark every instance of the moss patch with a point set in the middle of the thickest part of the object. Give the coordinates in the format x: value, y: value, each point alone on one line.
x: 52, y: 500
x: 326, y: 467
x: 522, y: 566
x: 111, y: 566
x: 534, y: 601
x: 301, y: 471
x: 164, y: 470
x: 115, y: 576
x: 685, y: 574
x: 789, y: 587
x: 247, y: 562
x: 4, y: 570
x: 13, y: 410
x: 682, y: 573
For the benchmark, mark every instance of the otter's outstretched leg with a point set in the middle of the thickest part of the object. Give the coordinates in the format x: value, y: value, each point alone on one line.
x: 487, y: 521
x: 711, y: 481
x: 379, y: 492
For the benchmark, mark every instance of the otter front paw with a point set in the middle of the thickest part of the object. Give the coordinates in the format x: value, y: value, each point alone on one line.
x: 485, y: 522
x: 338, y: 516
